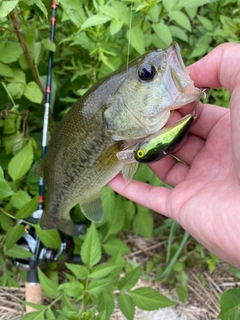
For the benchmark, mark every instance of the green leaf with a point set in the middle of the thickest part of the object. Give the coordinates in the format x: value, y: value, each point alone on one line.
x: 143, y: 223
x: 130, y: 279
x: 33, y: 92
x: 5, y: 190
x: 5, y: 222
x: 117, y: 218
x: 126, y: 305
x: 169, y: 4
x: 49, y: 287
x: 91, y: 248
x: 230, y: 305
x: 27, y: 209
x: 18, y: 252
x: 110, y: 11
x: 50, y: 238
x: 96, y: 287
x: 5, y: 70
x: 181, y: 19
x: 21, y: 163
x: 80, y: 272
x: 95, y: 20
x: 13, y: 235
x: 6, y: 7
x: 115, y: 246
x: 20, y: 198
x: 163, y: 33
x: 10, y: 51
x: 115, y: 26
x: 74, y: 11
x: 72, y: 289
x: 150, y: 299
x: 33, y: 316
x: 102, y: 270
x: 192, y: 3
x: 136, y: 39
x: 106, y: 303
x: 49, y: 45
x: 207, y: 24
x: 178, y: 33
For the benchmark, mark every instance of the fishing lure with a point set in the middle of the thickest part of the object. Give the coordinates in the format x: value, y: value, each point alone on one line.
x: 159, y: 144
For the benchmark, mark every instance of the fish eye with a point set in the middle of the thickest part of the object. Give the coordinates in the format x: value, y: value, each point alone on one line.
x: 146, y: 72
x: 140, y: 153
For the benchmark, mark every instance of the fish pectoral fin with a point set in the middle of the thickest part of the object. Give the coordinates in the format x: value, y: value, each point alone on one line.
x: 65, y: 225
x: 92, y: 207
x: 129, y: 171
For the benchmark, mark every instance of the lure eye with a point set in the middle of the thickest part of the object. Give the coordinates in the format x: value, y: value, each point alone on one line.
x: 146, y: 72
x: 140, y: 153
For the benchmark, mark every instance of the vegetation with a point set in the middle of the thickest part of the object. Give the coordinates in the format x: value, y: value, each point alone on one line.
x: 92, y: 39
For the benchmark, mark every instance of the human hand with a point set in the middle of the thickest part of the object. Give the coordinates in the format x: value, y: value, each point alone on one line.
x: 205, y: 199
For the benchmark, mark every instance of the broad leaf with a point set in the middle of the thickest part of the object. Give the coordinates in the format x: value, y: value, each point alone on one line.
x: 80, y: 272
x: 115, y: 246
x: 126, y: 305
x: 130, y: 279
x: 5, y: 70
x: 74, y: 11
x: 136, y: 39
x: 20, y: 198
x: 50, y: 238
x: 33, y: 92
x: 101, y: 271
x: 163, y: 33
x: 91, y: 248
x: 106, y: 303
x: 49, y: 287
x: 33, y: 316
x: 96, y: 287
x: 150, y: 299
x: 18, y: 252
x: 95, y: 20
x: 230, y: 305
x: 6, y: 7
x: 181, y: 19
x: 14, y: 235
x: 5, y: 190
x: 21, y: 163
x: 143, y: 223
x: 27, y: 209
x: 72, y: 289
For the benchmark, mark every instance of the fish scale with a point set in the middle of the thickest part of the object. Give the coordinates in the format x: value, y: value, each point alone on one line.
x: 117, y: 112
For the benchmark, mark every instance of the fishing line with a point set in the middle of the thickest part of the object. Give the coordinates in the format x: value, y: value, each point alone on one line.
x: 47, y: 101
x: 130, y: 31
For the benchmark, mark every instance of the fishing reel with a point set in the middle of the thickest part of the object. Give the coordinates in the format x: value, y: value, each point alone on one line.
x: 41, y: 255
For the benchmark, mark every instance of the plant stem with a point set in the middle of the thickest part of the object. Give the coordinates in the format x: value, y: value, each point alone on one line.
x: 15, y: 21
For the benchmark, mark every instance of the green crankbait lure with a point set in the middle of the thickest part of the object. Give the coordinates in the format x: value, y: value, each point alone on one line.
x: 164, y: 142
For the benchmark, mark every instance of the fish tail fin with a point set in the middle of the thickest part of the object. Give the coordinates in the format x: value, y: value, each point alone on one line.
x: 65, y: 225
x: 92, y: 208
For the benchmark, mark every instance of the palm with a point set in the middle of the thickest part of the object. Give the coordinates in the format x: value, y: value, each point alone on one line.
x: 205, y: 199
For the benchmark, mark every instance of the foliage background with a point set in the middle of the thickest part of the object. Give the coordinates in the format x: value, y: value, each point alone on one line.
x: 92, y: 39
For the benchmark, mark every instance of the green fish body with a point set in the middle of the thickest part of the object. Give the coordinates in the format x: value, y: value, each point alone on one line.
x: 127, y: 106
x: 164, y: 142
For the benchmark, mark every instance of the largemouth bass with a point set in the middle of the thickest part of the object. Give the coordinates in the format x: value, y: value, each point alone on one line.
x: 129, y: 105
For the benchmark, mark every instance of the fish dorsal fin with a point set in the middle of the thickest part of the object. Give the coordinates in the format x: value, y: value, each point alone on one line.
x: 129, y: 170
x: 92, y: 208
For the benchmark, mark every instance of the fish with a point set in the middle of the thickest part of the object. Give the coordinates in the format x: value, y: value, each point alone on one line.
x: 163, y: 142
x: 126, y: 106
